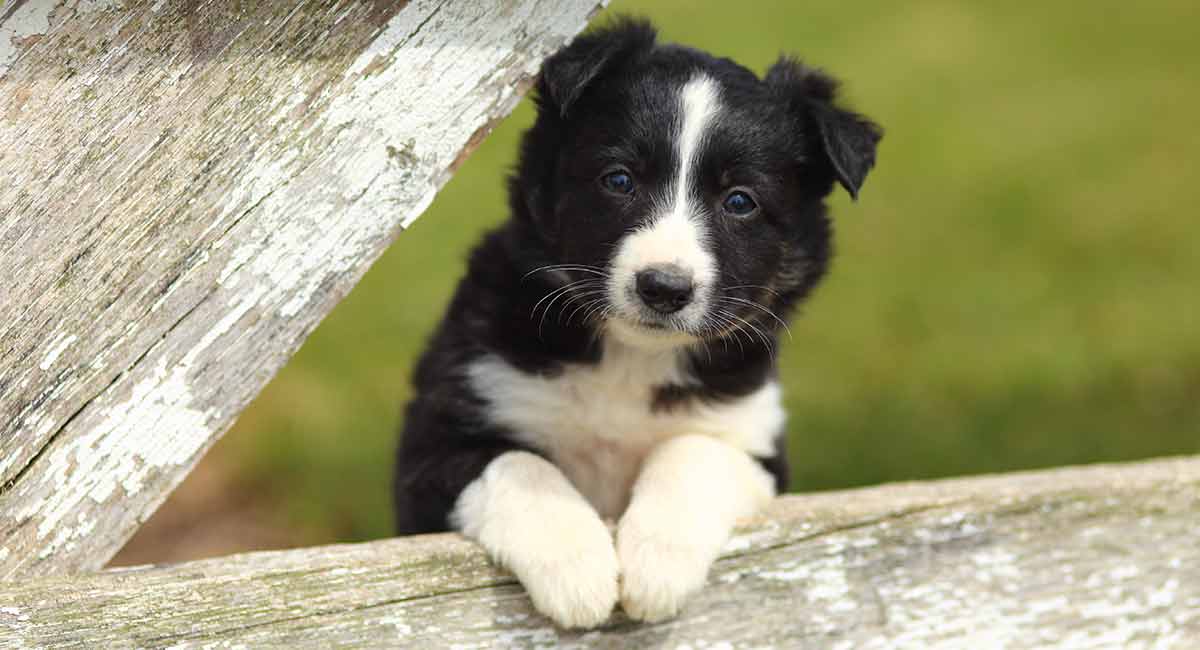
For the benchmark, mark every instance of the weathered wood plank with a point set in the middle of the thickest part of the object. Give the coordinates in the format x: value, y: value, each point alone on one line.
x: 185, y: 190
x: 1095, y: 557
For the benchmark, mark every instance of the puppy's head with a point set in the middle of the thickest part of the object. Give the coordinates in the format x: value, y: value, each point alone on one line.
x: 686, y: 189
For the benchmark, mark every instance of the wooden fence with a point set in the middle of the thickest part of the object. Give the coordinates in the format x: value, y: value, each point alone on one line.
x: 186, y: 188
x: 1098, y: 557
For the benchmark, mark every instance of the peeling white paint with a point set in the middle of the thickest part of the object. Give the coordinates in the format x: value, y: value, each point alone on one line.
x: 33, y: 19
x: 864, y: 542
x: 1164, y: 596
x: 402, y: 628
x: 89, y: 6
x: 157, y: 427
x: 30, y: 19
x: 1124, y: 572
x: 995, y: 563
x: 830, y: 583
x: 744, y: 541
x: 59, y: 346
x: 148, y: 430
x: 295, y: 226
x: 296, y: 261
x: 788, y: 572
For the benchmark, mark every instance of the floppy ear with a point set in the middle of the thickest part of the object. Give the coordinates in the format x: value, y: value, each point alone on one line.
x: 847, y: 139
x: 565, y: 75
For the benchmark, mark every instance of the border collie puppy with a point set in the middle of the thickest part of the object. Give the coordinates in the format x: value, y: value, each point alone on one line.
x: 610, y: 352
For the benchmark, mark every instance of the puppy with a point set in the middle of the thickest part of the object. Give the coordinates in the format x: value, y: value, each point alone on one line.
x: 610, y: 352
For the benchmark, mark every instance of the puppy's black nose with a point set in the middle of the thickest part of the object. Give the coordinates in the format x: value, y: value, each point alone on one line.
x: 665, y: 289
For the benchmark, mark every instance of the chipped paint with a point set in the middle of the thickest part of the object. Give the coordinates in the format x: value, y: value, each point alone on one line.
x: 397, y: 622
x: 31, y: 19
x: 746, y: 540
x: 59, y: 346
x: 89, y: 6
x: 296, y: 264
x: 291, y: 218
x: 150, y: 429
x: 156, y: 428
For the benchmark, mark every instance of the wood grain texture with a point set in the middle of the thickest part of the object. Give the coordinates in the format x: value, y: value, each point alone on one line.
x: 1094, y: 557
x: 186, y: 188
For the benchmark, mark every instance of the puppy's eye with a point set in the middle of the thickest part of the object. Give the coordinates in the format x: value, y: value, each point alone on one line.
x: 739, y: 204
x: 619, y: 182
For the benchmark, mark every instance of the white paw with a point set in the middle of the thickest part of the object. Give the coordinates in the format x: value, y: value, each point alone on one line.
x: 532, y: 521
x: 660, y: 569
x: 573, y: 581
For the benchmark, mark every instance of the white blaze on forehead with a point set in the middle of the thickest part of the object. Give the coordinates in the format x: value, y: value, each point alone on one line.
x: 700, y: 106
x: 675, y: 234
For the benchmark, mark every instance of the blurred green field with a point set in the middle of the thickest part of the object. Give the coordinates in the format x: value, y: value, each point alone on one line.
x: 1017, y: 287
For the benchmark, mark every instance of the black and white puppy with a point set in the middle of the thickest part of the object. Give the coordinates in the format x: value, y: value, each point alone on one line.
x: 609, y: 354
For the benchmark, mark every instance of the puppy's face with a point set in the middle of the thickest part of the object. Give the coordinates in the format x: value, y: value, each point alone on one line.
x: 684, y: 193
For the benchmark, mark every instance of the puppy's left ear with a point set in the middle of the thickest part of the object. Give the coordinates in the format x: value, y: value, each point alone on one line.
x: 565, y: 75
x: 847, y: 139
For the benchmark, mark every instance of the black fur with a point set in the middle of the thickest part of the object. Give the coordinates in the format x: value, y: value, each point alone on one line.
x: 606, y: 102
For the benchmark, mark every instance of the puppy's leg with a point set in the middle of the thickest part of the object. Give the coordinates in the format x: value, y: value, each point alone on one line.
x: 685, y: 501
x: 533, y: 522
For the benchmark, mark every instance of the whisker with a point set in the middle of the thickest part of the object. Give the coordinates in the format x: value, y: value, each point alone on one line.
x: 762, y: 337
x: 766, y: 341
x: 568, y: 267
x: 558, y: 290
x: 570, y: 298
x: 713, y: 324
x: 583, y: 304
x: 604, y: 313
x: 759, y: 306
x: 734, y: 330
x: 706, y: 323
x: 553, y: 296
x: 755, y: 286
x: 601, y: 310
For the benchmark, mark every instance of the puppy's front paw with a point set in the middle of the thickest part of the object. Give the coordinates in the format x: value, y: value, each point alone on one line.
x: 573, y: 580
x: 660, y: 569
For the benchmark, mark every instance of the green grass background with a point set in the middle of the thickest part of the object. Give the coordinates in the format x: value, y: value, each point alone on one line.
x: 1016, y: 288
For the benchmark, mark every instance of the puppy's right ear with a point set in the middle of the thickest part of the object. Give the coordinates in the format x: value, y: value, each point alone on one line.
x: 847, y: 139
x: 566, y: 74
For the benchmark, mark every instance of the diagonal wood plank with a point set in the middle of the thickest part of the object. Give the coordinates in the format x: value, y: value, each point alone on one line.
x: 186, y: 188
x: 1093, y: 557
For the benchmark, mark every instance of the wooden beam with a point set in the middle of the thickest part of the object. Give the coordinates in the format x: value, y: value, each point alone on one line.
x: 185, y: 190
x: 1093, y: 557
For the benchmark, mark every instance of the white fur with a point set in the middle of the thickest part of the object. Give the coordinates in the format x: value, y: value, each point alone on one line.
x: 688, y: 470
x: 675, y: 235
x: 596, y: 423
x: 685, y: 502
x: 531, y: 521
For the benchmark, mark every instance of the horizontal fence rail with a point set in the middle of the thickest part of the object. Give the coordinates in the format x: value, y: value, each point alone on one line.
x: 1093, y: 557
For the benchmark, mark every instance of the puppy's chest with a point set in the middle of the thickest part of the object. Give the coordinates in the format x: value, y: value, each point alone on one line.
x: 598, y: 422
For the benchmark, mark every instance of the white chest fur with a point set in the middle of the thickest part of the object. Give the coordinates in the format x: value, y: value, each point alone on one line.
x: 596, y: 421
